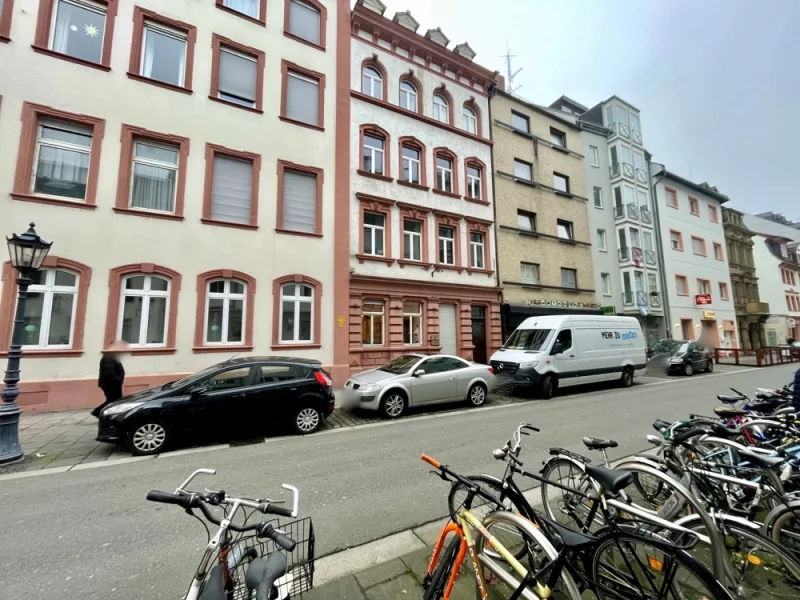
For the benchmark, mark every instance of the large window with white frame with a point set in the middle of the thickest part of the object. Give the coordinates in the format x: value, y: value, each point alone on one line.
x: 297, y: 310
x: 374, y: 234
x: 529, y: 273
x: 225, y: 312
x: 49, y: 319
x: 408, y: 96
x: 78, y: 29
x: 155, y: 176
x: 164, y: 54
x: 412, y: 323
x: 447, y: 236
x: 412, y: 239
x: 250, y: 8
x: 605, y: 280
x: 441, y: 109
x: 411, y: 164
x: 373, y: 154
x: 372, y: 82
x: 476, y: 250
x: 444, y: 174
x: 144, y: 310
x: 474, y: 181
x: 61, y: 164
x: 470, y: 120
x: 372, y: 323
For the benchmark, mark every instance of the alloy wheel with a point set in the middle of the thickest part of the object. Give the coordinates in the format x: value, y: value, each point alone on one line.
x: 307, y: 420
x: 394, y: 405
x: 688, y: 369
x: 477, y: 395
x: 149, y: 437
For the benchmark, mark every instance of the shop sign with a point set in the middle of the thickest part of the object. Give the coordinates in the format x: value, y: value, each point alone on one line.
x: 709, y: 314
x: 790, y: 322
x: 702, y: 299
x: 561, y: 303
x: 609, y: 311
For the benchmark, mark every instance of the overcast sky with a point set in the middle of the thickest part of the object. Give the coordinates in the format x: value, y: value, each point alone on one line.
x: 717, y: 81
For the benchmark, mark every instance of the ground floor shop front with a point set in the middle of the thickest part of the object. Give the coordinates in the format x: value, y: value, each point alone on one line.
x: 714, y: 328
x: 389, y: 317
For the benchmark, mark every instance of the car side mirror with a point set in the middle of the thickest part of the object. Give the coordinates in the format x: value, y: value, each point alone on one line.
x: 558, y: 348
x: 419, y: 372
x: 198, y: 391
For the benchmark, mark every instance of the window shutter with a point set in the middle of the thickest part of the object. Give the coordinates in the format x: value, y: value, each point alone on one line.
x: 304, y: 21
x: 231, y: 190
x: 299, y: 201
x: 237, y: 76
x: 302, y: 100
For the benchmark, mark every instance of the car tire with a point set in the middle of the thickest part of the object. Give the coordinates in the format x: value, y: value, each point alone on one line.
x: 688, y: 369
x: 148, y: 437
x: 393, y: 404
x: 547, y: 387
x: 710, y: 367
x: 306, y: 420
x: 627, y: 377
x: 477, y: 395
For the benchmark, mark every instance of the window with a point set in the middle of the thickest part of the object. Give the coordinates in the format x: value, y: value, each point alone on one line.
x: 594, y: 155
x: 302, y: 100
x: 372, y: 82
x: 671, y: 197
x: 601, y: 240
x: 372, y: 323
x: 412, y: 323
x: 411, y: 165
x: 470, y: 120
x: 234, y: 186
x: 444, y: 174
x: 682, y: 285
x: 652, y: 282
x: 77, y: 29
x: 561, y: 182
x: 49, y: 319
x: 304, y: 20
x: 703, y: 286
x: 447, y: 245
x: 523, y: 170
x: 408, y: 96
x: 237, y: 73
x: 441, y: 109
x: 648, y: 241
x: 144, y: 309
x: 558, y: 138
x: 412, y: 239
x: 529, y: 273
x: 718, y: 251
x: 520, y: 122
x: 476, y: 250
x: 619, y: 208
x: 225, y: 310
x: 228, y: 380
x: 564, y: 338
x: 605, y: 282
x: 373, y: 154
x: 280, y: 373
x: 300, y: 206
x: 569, y: 278
x: 164, y: 54
x: 698, y: 246
x: 598, y: 197
x: 644, y: 203
x: 713, y: 215
x: 723, y: 290
x: 564, y: 229
x: 297, y: 308
x: 474, y: 181
x: 374, y: 231
x: 526, y: 221
x: 249, y: 8
x: 155, y: 176
x: 62, y: 157
x: 694, y: 206
x: 676, y: 240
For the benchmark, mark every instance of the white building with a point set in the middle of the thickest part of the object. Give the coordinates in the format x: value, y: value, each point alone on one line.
x: 180, y: 155
x: 699, y: 292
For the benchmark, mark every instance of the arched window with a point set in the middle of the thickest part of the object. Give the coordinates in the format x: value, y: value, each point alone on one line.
x: 470, y: 120
x: 49, y: 319
x: 372, y: 82
x: 296, y: 316
x: 441, y: 108
x: 408, y: 96
x: 144, y: 310
x: 225, y: 312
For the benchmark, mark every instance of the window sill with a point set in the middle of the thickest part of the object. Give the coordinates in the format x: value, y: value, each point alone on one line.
x: 68, y: 58
x: 235, y: 105
x: 568, y: 241
x: 441, y: 267
x: 374, y: 176
x: 476, y: 201
x: 236, y: 13
x: 297, y: 38
x: 150, y: 351
x: 147, y: 214
x: 448, y: 194
x: 53, y: 201
x: 487, y: 272
x: 362, y: 257
x: 301, y: 123
x: 301, y: 233
x: 559, y: 148
x: 229, y: 224
x: 209, y: 349
x: 161, y: 84
x: 413, y: 263
x: 565, y: 194
x: 416, y: 186
x: 46, y: 353
x: 528, y: 182
x: 296, y: 346
x: 4, y: 39
x: 527, y: 232
x: 571, y: 290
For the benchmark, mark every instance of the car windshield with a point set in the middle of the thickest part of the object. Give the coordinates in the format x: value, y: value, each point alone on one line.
x: 667, y: 346
x: 193, y: 377
x: 528, y: 339
x: 400, y: 364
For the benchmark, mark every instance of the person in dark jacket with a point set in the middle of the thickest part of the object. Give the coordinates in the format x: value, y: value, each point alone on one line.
x: 112, y: 374
x: 796, y: 391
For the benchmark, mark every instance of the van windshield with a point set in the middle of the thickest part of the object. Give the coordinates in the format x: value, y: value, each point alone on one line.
x: 528, y: 339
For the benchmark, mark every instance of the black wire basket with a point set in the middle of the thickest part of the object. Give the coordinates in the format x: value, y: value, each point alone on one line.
x: 299, y: 576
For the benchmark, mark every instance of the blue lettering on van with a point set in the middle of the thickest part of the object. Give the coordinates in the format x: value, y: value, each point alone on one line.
x: 615, y: 335
x: 630, y: 335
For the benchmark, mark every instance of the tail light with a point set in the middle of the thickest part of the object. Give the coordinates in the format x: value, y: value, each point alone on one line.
x: 491, y: 370
x: 323, y: 378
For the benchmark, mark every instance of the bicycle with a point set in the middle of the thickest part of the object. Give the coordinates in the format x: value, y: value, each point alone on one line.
x: 250, y: 564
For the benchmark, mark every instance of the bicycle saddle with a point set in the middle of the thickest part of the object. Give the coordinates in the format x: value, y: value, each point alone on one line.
x: 730, y: 399
x: 598, y: 444
x: 729, y: 413
x: 611, y: 480
x: 261, y: 576
x: 760, y: 460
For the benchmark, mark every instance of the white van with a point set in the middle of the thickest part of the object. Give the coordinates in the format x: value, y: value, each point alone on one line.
x: 553, y: 351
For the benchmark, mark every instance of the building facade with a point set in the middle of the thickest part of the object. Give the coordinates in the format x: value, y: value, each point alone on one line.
x: 422, y: 251
x: 751, y: 313
x: 144, y: 148
x: 697, y: 277
x: 544, y: 244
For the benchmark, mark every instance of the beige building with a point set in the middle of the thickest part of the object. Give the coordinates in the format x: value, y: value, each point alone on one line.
x: 544, y: 254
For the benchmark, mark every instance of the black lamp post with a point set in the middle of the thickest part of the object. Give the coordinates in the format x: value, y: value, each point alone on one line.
x: 27, y: 253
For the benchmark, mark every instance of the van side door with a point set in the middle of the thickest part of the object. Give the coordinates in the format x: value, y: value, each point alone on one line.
x: 565, y: 361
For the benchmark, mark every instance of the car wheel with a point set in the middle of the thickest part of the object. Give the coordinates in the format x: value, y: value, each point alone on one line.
x: 546, y: 387
x: 627, y: 377
x: 148, y: 437
x: 307, y: 420
x: 688, y: 369
x: 710, y: 367
x: 393, y: 404
x: 477, y: 394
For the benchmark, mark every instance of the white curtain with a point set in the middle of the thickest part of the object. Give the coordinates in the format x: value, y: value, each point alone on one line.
x: 247, y: 7
x: 149, y: 54
x: 153, y: 187
x: 61, y: 33
x: 62, y: 172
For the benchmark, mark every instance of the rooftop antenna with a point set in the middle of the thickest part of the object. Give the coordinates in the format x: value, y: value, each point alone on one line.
x: 510, y: 73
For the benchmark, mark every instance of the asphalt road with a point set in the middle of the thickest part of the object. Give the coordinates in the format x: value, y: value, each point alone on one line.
x: 91, y: 534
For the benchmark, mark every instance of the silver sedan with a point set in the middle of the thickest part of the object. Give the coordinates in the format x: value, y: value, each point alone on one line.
x: 416, y: 380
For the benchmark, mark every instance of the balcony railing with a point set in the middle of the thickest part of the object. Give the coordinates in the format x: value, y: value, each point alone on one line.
x: 641, y: 299
x: 650, y: 257
x: 621, y: 169
x: 619, y: 211
x: 633, y: 211
x: 755, y: 308
x: 641, y: 176
x: 636, y: 136
x: 634, y: 254
x: 646, y: 215
x: 627, y: 298
x: 655, y: 299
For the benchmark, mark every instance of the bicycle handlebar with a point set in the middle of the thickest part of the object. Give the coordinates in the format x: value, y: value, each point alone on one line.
x: 471, y: 485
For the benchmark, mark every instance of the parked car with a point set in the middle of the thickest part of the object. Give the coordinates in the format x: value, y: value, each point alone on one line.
x: 682, y: 356
x: 233, y: 398
x: 416, y: 380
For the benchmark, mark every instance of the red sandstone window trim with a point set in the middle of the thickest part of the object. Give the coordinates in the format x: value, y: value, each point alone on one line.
x: 219, y: 42
x: 383, y: 206
x: 284, y: 166
x: 723, y: 291
x: 471, y: 104
x: 262, y: 13
x: 677, y: 202
x: 418, y: 214
x: 5, y: 21
x: 447, y: 97
x: 129, y: 135
x: 452, y: 221
x: 704, y: 251
x: 477, y: 163
x: 375, y: 131
x: 8, y: 304
x: 685, y: 279
x: 203, y: 279
x: 708, y: 285
x: 411, y: 79
x: 115, y: 277
x: 378, y: 66
x: 290, y: 67
x: 323, y: 24
x: 410, y: 141
x: 451, y: 156
x: 718, y: 253
x: 212, y: 150
x: 316, y: 312
x: 484, y: 229
x: 23, y: 189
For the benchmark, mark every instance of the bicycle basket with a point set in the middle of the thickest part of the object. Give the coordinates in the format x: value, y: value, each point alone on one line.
x: 299, y: 576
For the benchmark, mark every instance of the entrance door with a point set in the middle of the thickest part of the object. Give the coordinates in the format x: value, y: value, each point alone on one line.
x: 447, y: 329
x: 479, y: 334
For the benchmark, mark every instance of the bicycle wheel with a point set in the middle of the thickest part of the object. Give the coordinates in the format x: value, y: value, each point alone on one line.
x: 762, y: 568
x: 637, y: 568
x: 783, y: 527
x: 441, y: 573
x: 562, y: 506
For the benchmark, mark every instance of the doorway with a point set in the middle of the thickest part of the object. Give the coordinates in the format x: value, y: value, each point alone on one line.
x: 447, y: 329
x: 479, y: 334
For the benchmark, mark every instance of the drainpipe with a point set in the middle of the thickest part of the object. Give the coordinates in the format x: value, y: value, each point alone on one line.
x: 659, y: 245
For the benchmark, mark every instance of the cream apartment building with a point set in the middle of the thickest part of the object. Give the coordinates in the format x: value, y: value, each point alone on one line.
x: 180, y: 156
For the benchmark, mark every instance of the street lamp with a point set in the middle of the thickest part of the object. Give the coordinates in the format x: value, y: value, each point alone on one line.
x: 27, y: 253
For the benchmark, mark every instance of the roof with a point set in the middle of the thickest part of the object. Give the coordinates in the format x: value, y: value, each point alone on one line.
x: 543, y: 110
x: 276, y: 359
x: 625, y: 102
x: 702, y: 188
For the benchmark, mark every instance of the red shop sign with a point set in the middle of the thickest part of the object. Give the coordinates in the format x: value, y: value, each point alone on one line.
x: 702, y: 299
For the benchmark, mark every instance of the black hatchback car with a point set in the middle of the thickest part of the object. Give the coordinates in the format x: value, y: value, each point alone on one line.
x: 230, y: 400
x: 682, y: 356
